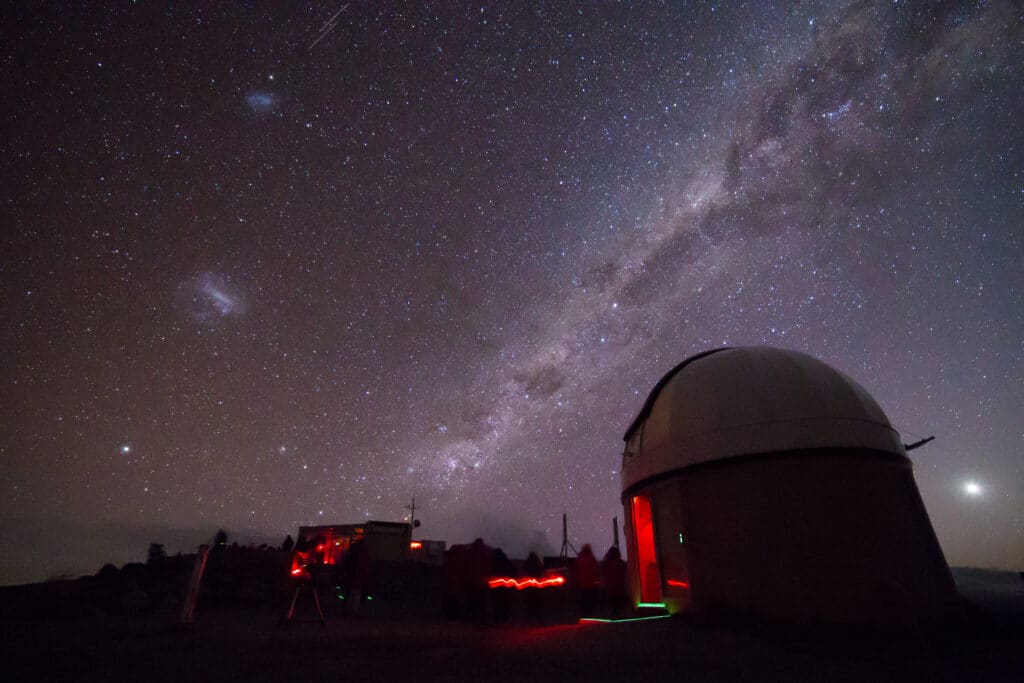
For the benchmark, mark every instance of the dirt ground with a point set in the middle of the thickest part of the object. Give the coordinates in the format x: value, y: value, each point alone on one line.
x: 390, y: 644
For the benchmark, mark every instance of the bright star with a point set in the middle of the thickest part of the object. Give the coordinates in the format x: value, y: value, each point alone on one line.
x: 126, y: 449
x: 972, y: 488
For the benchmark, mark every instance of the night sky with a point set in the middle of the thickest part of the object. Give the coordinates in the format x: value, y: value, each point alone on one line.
x: 448, y: 250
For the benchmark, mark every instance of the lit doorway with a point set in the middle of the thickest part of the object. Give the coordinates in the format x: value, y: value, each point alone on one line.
x: 647, y: 571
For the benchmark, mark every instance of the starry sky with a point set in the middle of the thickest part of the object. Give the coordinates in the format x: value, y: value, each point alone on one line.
x: 264, y: 268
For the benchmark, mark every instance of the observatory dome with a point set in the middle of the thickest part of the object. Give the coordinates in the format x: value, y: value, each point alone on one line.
x: 733, y: 402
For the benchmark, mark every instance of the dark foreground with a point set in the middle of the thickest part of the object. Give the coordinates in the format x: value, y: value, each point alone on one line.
x: 386, y: 644
x: 120, y: 625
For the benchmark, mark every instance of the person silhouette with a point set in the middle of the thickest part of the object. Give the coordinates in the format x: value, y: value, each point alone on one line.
x: 613, y: 581
x: 533, y: 568
x: 587, y: 580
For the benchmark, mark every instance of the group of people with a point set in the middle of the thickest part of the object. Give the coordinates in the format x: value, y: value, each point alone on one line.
x: 469, y: 569
x: 603, y: 582
x: 480, y: 581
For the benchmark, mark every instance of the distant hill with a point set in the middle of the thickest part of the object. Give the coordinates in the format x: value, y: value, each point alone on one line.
x: 992, y: 590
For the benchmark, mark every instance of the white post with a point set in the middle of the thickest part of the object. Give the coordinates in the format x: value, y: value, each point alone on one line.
x: 193, y: 586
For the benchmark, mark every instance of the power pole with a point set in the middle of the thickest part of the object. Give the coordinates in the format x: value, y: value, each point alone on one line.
x: 564, y: 553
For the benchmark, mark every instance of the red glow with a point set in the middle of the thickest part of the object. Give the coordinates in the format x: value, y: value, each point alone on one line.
x: 679, y: 584
x: 415, y: 545
x: 647, y: 557
x: 299, y: 563
x: 520, y: 584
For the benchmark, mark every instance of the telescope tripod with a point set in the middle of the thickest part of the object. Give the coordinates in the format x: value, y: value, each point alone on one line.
x: 290, y: 615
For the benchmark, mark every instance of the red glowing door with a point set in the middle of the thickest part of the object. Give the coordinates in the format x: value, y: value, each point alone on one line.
x: 646, y: 557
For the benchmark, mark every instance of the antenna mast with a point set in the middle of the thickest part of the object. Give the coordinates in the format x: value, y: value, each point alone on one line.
x: 412, y: 511
x: 564, y: 554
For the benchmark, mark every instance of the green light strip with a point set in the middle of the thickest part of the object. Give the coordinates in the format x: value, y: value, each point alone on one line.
x: 651, y: 604
x: 589, y: 620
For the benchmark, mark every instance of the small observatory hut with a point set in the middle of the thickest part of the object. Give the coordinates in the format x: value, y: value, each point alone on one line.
x: 761, y: 482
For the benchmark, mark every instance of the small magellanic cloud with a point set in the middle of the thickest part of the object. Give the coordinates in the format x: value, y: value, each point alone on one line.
x: 260, y: 101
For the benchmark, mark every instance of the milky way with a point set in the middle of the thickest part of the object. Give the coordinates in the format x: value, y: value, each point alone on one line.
x: 452, y: 262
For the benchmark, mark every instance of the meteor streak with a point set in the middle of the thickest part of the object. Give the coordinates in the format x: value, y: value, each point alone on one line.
x: 328, y: 26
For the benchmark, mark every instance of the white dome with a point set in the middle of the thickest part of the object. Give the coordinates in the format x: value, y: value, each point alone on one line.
x: 752, y: 400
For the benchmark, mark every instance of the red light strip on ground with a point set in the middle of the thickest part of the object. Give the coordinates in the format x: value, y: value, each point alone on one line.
x: 678, y: 584
x: 520, y: 584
